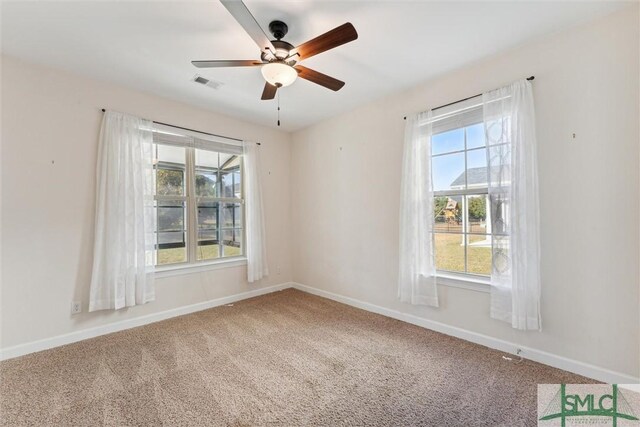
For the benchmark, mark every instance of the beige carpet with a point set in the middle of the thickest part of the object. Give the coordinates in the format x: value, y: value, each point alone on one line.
x: 286, y: 359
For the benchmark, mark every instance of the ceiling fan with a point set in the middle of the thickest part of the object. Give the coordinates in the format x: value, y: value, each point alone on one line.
x: 280, y: 60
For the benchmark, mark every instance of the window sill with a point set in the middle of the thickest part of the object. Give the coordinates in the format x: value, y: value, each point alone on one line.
x: 478, y: 284
x: 181, y: 269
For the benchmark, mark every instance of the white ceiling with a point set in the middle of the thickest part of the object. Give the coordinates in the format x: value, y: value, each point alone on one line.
x: 149, y: 45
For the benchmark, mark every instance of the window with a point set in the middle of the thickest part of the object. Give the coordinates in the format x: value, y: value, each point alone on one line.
x: 198, y: 198
x: 462, y: 225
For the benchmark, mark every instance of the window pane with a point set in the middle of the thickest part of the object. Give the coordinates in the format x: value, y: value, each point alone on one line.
x: 477, y: 158
x: 171, y: 216
x: 237, y: 184
x: 477, y: 168
x: 169, y: 182
x: 499, y: 214
x: 172, y: 246
x: 477, y: 214
x: 447, y: 213
x: 206, y: 173
x: 232, y: 241
x: 207, y: 215
x: 449, y: 250
x: 231, y: 215
x: 208, y: 249
x: 446, y: 142
x: 498, y: 131
x: 208, y: 220
x: 501, y: 259
x: 171, y: 255
x: 207, y: 159
x: 170, y: 154
x: 448, y: 172
x: 475, y: 136
x: 170, y: 167
x: 230, y: 177
x: 206, y: 183
x: 479, y: 254
x: 500, y: 161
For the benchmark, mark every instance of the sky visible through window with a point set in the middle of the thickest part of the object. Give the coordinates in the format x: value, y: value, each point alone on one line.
x: 462, y: 240
x: 448, y: 167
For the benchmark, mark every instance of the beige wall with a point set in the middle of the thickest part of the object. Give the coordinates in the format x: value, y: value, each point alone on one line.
x: 346, y: 177
x: 50, y: 123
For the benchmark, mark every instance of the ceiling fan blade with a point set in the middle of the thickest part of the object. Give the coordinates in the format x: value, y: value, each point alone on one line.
x: 345, y: 33
x: 240, y: 12
x: 269, y: 91
x: 224, y: 63
x: 319, y: 78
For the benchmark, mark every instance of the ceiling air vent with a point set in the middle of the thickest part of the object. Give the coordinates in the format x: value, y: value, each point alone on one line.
x: 210, y: 83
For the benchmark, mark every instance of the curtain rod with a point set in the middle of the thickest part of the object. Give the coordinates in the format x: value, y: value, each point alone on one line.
x: 199, y: 131
x: 465, y: 99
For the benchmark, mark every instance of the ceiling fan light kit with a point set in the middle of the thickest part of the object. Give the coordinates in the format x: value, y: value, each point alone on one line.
x: 279, y: 74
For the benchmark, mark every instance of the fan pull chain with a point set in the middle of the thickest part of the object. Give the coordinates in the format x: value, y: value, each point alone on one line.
x: 278, y: 108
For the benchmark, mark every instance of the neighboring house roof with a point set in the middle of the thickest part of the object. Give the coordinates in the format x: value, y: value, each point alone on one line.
x: 477, y: 176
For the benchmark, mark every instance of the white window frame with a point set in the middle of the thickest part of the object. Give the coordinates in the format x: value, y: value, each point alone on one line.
x: 191, y: 200
x: 461, y: 116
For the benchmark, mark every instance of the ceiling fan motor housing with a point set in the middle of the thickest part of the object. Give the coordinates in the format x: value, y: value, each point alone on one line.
x: 282, y: 52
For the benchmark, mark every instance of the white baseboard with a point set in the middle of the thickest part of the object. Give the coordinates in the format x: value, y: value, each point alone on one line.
x: 587, y: 370
x: 560, y: 362
x: 47, y: 343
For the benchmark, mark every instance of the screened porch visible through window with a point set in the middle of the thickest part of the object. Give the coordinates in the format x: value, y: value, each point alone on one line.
x: 219, y: 194
x: 199, y: 199
x: 171, y: 204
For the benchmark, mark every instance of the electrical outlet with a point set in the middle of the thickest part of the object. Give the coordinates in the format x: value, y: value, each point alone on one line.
x: 76, y: 307
x: 278, y: 269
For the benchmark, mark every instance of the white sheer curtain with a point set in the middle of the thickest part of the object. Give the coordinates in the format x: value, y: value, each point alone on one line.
x: 509, y: 120
x: 125, y: 221
x: 256, y: 249
x: 417, y: 276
